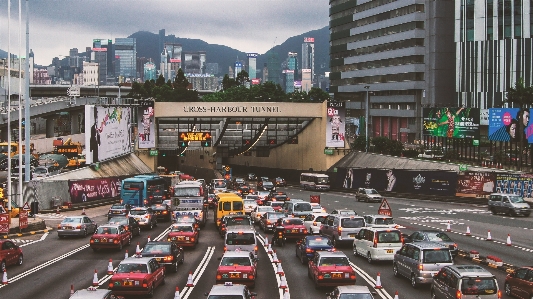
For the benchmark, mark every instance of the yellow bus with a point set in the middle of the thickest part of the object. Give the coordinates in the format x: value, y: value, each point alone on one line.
x: 227, y: 204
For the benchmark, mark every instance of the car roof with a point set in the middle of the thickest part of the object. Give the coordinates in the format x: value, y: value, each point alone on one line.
x: 378, y: 216
x: 381, y: 228
x: 238, y: 253
x: 318, y: 214
x: 430, y: 245
x: 323, y: 253
x: 182, y: 224
x: 240, y: 228
x: 90, y: 293
x: 110, y: 225
x: 353, y: 289
x: 159, y: 243
x: 136, y: 260
x: 140, y: 208
x: 220, y: 289
x: 74, y: 217
x: 470, y: 270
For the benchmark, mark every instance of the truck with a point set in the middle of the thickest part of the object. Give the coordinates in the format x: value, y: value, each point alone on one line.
x: 73, y: 151
x: 4, y: 147
x: 190, y: 198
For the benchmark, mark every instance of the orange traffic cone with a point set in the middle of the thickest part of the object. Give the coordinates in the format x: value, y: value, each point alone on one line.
x: 283, y: 282
x: 4, y: 277
x: 177, y: 293
x: 275, y: 257
x: 138, y: 250
x: 71, y: 289
x: 279, y: 270
x: 190, y: 283
x: 489, y: 237
x: 126, y: 254
x: 83, y: 212
x: 468, y: 230
x: 508, y: 243
x: 396, y: 295
x: 95, y: 278
x: 378, y: 282
x: 110, y: 267
x: 448, y: 227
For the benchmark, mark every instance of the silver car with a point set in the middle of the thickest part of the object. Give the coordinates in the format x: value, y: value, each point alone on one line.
x: 79, y: 226
x: 368, y: 195
x: 358, y: 292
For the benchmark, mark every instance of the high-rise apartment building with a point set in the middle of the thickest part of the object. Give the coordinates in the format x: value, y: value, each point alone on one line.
x: 126, y: 49
x: 308, y: 57
x: 194, y: 62
x: 150, y: 72
x: 274, y: 68
x: 103, y: 54
x: 238, y: 68
x: 160, y: 43
x: 173, y: 58
x: 396, y: 53
x: 90, y: 73
x: 252, y: 65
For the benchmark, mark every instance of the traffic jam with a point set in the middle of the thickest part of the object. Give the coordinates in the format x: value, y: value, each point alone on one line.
x: 257, y: 237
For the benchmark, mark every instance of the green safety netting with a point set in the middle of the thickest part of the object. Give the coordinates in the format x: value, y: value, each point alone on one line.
x: 51, y: 159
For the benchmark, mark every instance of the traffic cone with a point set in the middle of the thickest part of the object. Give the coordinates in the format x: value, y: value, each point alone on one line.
x: 378, y: 282
x: 489, y: 237
x: 508, y: 243
x: 468, y: 230
x: 126, y: 254
x: 396, y: 295
x: 71, y: 289
x: 269, y: 249
x: 190, y: 283
x: 177, y: 293
x: 83, y: 212
x: 4, y: 277
x: 95, y: 278
x: 266, y: 241
x: 283, y: 282
x: 286, y: 294
x: 149, y: 239
x: 449, y: 227
x: 279, y: 270
x: 275, y: 257
x: 110, y: 267
x: 137, y: 250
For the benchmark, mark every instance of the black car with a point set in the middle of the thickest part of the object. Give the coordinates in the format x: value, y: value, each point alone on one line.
x: 129, y: 223
x: 118, y: 209
x: 280, y: 182
x: 252, y: 177
x: 166, y: 253
x: 162, y: 211
x: 268, y: 186
x: 306, y: 247
x: 244, y: 190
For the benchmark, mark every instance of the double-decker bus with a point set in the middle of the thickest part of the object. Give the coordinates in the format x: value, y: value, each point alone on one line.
x: 314, y: 181
x: 143, y: 190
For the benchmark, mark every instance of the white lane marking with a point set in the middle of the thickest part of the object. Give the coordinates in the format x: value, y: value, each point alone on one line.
x: 371, y: 281
x: 275, y: 266
x: 186, y: 291
x: 35, y: 241
x: 44, y: 265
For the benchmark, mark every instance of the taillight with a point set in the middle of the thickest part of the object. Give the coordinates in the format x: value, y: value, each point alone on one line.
x: 255, y: 248
x: 92, y: 241
x: 78, y: 227
x: 421, y: 267
x: 314, y: 223
x: 225, y: 248
x: 320, y: 276
x: 352, y: 276
x: 375, y: 243
x: 168, y: 239
x: 251, y: 277
x: 305, y: 230
x: 169, y: 258
x: 145, y: 284
x: 192, y: 239
x: 339, y: 229
x: 268, y: 222
x: 219, y: 277
x: 309, y: 250
x: 458, y: 295
x: 499, y: 294
x: 110, y: 285
x: 59, y: 226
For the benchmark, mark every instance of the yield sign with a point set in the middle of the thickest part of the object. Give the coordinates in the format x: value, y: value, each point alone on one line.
x: 384, y: 208
x: 26, y: 207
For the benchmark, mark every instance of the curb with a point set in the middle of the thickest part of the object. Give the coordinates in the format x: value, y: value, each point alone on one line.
x: 507, y: 268
x: 82, y: 206
x: 42, y: 231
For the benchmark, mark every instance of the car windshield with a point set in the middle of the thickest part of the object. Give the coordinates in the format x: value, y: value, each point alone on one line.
x: 265, y: 209
x: 187, y: 191
x: 318, y: 242
x: 118, y: 220
x: 303, y: 207
x: 334, y: 261
x: 238, y: 221
x: 295, y: 221
x: 438, y: 237
x: 371, y: 191
x: 276, y: 204
x: 235, y: 261
x: 275, y: 215
x: 159, y: 207
x: 181, y: 228
x: 220, y: 184
x: 267, y: 184
x: 71, y: 220
x: 118, y: 207
x: 102, y: 230
x: 356, y: 296
x: 389, y: 237
x: 433, y: 256
x: 152, y: 248
x: 516, y: 199
x: 352, y: 222
x: 346, y: 212
x: 240, y: 238
x: 249, y: 202
x: 322, y: 181
x: 479, y: 286
x: 138, y: 212
x: 384, y: 221
x: 320, y: 218
x: 132, y: 268
x: 39, y: 170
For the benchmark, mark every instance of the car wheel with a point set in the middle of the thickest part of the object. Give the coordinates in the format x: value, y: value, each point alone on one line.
x: 526, y: 215
x: 20, y: 260
x: 151, y: 292
x: 493, y: 211
x: 303, y: 259
x: 85, y: 232
x: 317, y: 287
x: 414, y: 283
x: 355, y: 250
x: 369, y: 258
x: 2, y: 266
x: 395, y: 270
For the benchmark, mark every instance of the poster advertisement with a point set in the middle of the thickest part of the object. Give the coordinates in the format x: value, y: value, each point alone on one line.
x: 145, y: 123
x: 94, y: 189
x: 475, y: 184
x: 504, y: 124
x: 514, y: 184
x: 451, y: 122
x: 335, y: 126
x: 107, y: 132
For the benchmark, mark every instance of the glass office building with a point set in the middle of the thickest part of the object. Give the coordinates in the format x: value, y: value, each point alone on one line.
x: 126, y: 49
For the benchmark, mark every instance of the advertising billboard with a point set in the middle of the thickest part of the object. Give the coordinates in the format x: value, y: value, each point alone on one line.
x: 309, y: 39
x: 475, y: 184
x: 504, y: 124
x: 94, y: 189
x: 145, y: 123
x: 109, y: 133
x: 335, y: 129
x: 451, y: 122
x: 514, y: 184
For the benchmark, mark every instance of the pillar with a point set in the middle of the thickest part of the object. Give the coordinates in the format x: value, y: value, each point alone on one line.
x: 50, y: 127
x: 74, y: 122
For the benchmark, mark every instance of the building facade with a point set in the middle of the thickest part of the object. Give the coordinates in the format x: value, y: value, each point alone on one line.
x: 396, y: 53
x: 150, y: 72
x: 308, y: 57
x: 126, y: 50
x: 252, y: 65
x: 90, y: 73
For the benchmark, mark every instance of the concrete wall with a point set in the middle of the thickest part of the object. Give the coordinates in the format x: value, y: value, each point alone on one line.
x: 43, y: 192
x: 45, y: 145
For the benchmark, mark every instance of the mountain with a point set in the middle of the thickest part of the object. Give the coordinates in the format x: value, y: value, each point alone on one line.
x: 147, y: 46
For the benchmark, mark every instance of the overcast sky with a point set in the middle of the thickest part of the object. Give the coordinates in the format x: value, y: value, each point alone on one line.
x: 246, y: 25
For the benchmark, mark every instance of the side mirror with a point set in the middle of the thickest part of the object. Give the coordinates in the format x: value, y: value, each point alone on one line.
x: 512, y: 274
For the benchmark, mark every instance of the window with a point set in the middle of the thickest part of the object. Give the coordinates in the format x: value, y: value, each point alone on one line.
x: 521, y: 273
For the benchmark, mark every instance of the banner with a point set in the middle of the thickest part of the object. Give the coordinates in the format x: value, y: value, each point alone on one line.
x: 95, y: 189
x: 475, y: 184
x: 107, y: 133
x: 451, y: 122
x: 145, y: 123
x: 514, y: 184
x: 4, y: 223
x: 23, y: 219
x: 504, y: 124
x: 335, y: 129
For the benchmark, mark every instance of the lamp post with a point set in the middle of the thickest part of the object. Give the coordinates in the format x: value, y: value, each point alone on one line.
x: 367, y: 109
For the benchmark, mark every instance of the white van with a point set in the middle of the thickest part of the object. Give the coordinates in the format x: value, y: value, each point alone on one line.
x: 241, y: 237
x: 45, y: 171
x: 377, y: 243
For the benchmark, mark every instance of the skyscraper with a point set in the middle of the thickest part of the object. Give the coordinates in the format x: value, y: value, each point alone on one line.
x: 160, y: 43
x: 252, y: 65
x: 102, y: 53
x: 308, y: 56
x: 193, y: 62
x: 126, y: 49
x: 238, y: 68
x: 292, y: 68
x: 273, y: 67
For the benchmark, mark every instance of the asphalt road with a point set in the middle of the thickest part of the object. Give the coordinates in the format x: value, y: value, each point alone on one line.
x: 52, y: 265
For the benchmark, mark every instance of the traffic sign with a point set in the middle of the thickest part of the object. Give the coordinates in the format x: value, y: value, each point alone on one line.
x: 23, y: 219
x: 384, y: 208
x: 73, y: 91
x: 26, y: 207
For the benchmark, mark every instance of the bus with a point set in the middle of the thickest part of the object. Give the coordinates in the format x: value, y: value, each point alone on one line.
x: 190, y: 198
x: 143, y: 190
x: 228, y: 203
x: 314, y: 181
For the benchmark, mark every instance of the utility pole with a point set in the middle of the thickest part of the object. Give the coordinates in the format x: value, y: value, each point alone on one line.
x: 27, y: 124
x: 367, y: 112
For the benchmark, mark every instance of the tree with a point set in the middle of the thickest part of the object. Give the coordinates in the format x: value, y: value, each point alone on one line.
x: 521, y: 96
x: 360, y: 143
x: 380, y: 144
x: 160, y: 81
x: 242, y: 78
x: 395, y: 147
x: 180, y: 81
x: 228, y: 82
x: 318, y: 95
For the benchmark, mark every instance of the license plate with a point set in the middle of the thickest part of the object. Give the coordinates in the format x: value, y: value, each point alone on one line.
x: 116, y: 212
x: 302, y: 216
x: 128, y: 282
x: 234, y: 275
x: 390, y: 251
x: 181, y: 238
x: 337, y: 275
x: 351, y: 235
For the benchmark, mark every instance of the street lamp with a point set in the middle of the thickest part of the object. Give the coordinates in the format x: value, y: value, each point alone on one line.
x: 367, y: 109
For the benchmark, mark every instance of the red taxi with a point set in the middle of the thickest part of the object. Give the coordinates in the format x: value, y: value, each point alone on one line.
x: 330, y: 268
x: 110, y: 236
x: 137, y: 276
x: 10, y: 254
x: 183, y: 234
x: 294, y: 227
x: 238, y: 267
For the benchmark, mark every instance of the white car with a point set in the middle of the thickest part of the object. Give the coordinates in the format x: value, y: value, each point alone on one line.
x: 259, y: 211
x: 262, y: 195
x: 377, y: 243
x: 431, y: 154
x: 249, y: 206
x: 380, y: 221
x: 317, y: 208
x: 313, y: 222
